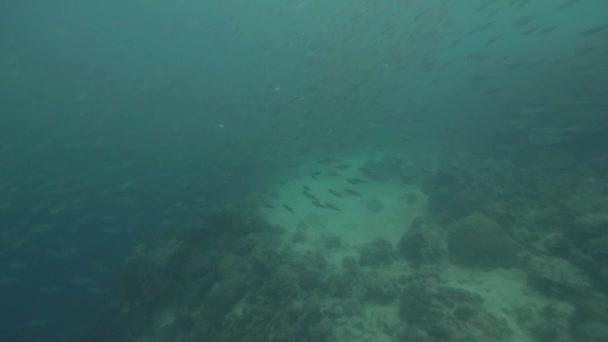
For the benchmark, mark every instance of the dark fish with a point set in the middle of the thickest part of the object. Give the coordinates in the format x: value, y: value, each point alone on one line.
x: 356, y: 180
x: 317, y: 204
x: 331, y: 206
x: 343, y: 167
x: 493, y: 13
x: 531, y: 30
x: 268, y: 205
x: 306, y: 188
x: 566, y: 4
x: 315, y: 173
x: 522, y: 4
x: 288, y: 208
x: 548, y: 29
x: 492, y: 41
x: 594, y: 30
x: 352, y: 192
x: 334, y: 174
x: 524, y: 21
x: 587, y: 49
x: 334, y: 192
x: 309, y: 195
x: 484, y: 27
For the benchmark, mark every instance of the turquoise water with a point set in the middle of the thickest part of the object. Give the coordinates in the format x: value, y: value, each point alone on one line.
x: 122, y: 118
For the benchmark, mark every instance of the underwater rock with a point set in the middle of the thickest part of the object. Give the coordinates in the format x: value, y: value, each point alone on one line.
x: 423, y: 243
x: 152, y: 273
x: 438, y: 313
x: 598, y: 250
x: 349, y: 265
x: 282, y: 285
x: 454, y: 203
x: 222, y: 298
x: 591, y: 332
x: 301, y: 233
x: 477, y: 241
x: 556, y: 276
x: 377, y: 252
x: 554, y: 324
x: 331, y: 241
x: 415, y: 334
x: 590, y: 226
x: 379, y: 289
x: 312, y: 271
x: 340, y: 286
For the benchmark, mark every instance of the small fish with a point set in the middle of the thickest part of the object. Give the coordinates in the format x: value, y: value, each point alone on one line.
x: 343, y: 167
x: 268, y: 205
x: 524, y: 21
x: 548, y: 29
x: 531, y: 30
x: 331, y: 206
x: 356, y: 180
x: 492, y: 41
x: 352, y: 192
x: 334, y: 192
x: 317, y: 204
x: 566, y: 4
x: 305, y: 187
x: 309, y: 195
x: 334, y: 174
x: 288, y: 208
x: 594, y: 30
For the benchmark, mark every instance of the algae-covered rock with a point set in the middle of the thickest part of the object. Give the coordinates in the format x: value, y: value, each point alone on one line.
x: 423, y: 244
x: 594, y: 331
x: 377, y: 252
x: 590, y: 225
x: 222, y: 298
x: 439, y: 313
x: 556, y: 276
x: 379, y: 289
x: 477, y: 240
x: 552, y: 324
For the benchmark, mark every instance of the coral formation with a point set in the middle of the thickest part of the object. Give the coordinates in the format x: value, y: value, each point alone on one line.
x: 477, y: 240
x: 423, y: 243
x: 439, y: 313
x: 377, y: 252
x: 556, y: 276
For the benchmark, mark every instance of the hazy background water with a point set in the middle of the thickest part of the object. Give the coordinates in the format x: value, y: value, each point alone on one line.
x: 117, y: 115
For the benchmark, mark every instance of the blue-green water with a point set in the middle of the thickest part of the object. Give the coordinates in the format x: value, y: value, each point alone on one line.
x: 117, y: 117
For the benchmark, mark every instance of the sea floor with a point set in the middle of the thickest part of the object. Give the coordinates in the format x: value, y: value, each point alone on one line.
x: 363, y: 210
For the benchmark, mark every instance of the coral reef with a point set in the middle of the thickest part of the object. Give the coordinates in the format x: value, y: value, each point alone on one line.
x: 377, y: 252
x: 477, y: 240
x: 200, y: 282
x: 556, y: 276
x: 423, y: 243
x: 439, y: 313
x: 225, y: 276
